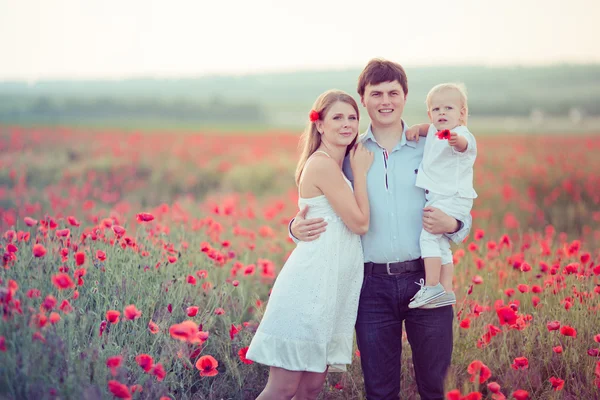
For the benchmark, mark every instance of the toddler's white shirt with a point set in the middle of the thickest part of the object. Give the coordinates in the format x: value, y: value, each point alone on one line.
x: 447, y: 171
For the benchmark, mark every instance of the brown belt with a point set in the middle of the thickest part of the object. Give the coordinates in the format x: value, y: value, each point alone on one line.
x: 394, y: 268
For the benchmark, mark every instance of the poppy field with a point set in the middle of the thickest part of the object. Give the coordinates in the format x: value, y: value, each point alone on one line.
x: 137, y: 265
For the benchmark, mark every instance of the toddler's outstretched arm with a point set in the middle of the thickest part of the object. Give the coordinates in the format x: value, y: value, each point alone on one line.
x: 459, y: 142
x: 417, y: 130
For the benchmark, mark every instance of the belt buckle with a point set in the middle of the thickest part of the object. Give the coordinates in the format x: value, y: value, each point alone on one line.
x: 387, y: 266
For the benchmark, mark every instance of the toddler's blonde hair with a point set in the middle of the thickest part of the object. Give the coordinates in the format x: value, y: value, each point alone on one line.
x: 459, y: 87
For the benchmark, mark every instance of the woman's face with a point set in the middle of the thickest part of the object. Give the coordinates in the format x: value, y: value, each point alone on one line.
x: 339, y: 127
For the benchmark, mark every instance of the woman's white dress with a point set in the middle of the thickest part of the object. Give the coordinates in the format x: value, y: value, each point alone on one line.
x: 309, y: 320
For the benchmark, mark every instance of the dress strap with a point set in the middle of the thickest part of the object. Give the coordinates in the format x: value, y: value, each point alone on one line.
x: 306, y: 164
x: 324, y: 152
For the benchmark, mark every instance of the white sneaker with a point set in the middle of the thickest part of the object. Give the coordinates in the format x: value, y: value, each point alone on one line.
x: 426, y: 294
x: 447, y: 299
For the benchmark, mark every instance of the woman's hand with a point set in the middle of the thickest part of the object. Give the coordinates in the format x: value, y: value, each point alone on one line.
x: 360, y: 160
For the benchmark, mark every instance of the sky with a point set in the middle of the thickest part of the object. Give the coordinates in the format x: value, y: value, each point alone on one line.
x: 107, y: 39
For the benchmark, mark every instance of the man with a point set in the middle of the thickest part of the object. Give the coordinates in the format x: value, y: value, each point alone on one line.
x: 392, y: 256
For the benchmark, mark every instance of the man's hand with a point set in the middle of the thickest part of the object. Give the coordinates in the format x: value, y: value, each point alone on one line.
x: 437, y: 222
x: 307, y: 230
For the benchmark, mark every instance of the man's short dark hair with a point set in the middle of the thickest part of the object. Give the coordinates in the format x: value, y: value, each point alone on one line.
x: 379, y: 70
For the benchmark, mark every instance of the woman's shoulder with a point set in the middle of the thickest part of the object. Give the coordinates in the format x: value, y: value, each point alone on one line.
x: 321, y: 164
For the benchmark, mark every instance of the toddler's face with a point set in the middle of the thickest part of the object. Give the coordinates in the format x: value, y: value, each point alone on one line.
x: 446, y: 110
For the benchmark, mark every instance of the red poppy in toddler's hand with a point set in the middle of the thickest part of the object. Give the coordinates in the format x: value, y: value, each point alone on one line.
x: 443, y: 135
x: 313, y: 116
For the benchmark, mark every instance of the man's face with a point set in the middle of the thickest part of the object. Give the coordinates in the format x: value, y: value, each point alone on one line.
x: 385, y: 103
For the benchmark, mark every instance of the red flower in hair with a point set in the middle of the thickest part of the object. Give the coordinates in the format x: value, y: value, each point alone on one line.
x: 313, y: 116
x: 443, y: 135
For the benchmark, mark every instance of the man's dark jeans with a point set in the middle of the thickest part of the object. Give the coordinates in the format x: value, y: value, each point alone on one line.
x: 383, y: 306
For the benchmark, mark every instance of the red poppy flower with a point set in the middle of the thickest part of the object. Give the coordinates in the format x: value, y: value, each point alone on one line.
x: 207, y: 365
x: 185, y: 331
x: 553, y: 325
x: 584, y: 258
x: 313, y: 116
x: 233, y: 331
x: 145, y: 361
x: 219, y: 311
x: 477, y: 368
x: 80, y: 258
x: 113, y: 363
x: 63, y: 233
x: 119, y: 390
x: 153, y: 328
x: 493, y: 387
x: 2, y: 343
x: 112, y: 316
x: 520, y: 363
x: 100, y: 255
x: 144, y: 217
x: 131, y: 312
x: 136, y: 388
x: 30, y: 221
x: 557, y: 383
x: 159, y: 372
x: 102, y: 327
x: 523, y: 288
x: 118, y: 230
x: 73, y: 221
x: 54, y: 317
x: 454, y: 395
x: 49, y: 302
x: 521, y: 394
x: 443, y: 134
x: 465, y: 323
x: 506, y: 315
x: 38, y: 250
x: 557, y: 349
x: 62, y: 281
x: 192, y: 311
x: 568, y: 331
x: 242, y: 353
x: 202, y: 274
x: 191, y: 280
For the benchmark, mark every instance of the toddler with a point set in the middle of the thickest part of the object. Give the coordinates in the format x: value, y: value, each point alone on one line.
x: 446, y: 175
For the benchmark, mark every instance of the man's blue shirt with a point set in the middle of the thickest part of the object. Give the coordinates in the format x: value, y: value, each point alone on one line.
x: 396, y: 204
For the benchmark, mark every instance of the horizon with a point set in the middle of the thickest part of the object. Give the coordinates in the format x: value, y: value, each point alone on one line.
x: 284, y: 72
x: 69, y: 40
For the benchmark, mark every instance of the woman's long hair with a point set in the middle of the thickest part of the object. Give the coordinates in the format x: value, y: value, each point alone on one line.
x: 311, y: 138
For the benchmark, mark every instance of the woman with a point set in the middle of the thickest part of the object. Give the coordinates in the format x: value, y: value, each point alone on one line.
x: 308, y: 325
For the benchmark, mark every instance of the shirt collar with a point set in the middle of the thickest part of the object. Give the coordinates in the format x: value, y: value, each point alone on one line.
x: 403, y: 142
